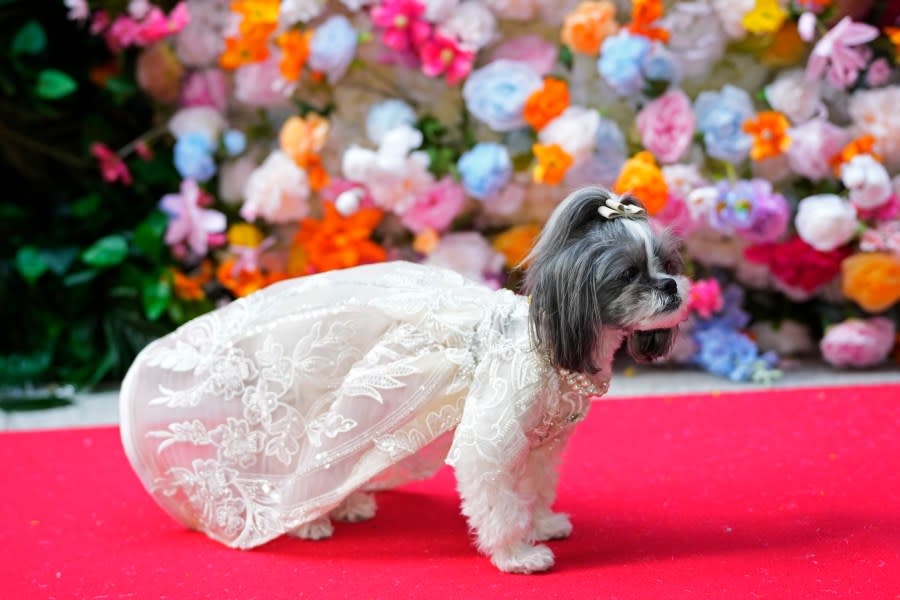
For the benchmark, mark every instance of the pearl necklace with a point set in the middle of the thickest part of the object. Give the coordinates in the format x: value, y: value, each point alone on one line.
x: 583, y: 386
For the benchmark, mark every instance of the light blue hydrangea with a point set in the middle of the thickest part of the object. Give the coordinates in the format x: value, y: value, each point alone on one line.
x: 720, y: 118
x: 727, y: 353
x: 193, y: 157
x: 234, y: 141
x: 485, y: 169
x: 386, y: 116
x: 496, y: 93
x: 660, y: 65
x: 621, y: 57
x: 332, y: 47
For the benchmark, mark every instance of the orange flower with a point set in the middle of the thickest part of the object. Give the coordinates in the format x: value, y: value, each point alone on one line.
x: 592, y: 22
x: 893, y: 34
x: 553, y: 162
x: 316, y: 173
x: 338, y: 242
x: 864, y: 144
x: 251, y: 47
x: 787, y: 47
x: 769, y: 131
x: 643, y: 14
x: 642, y: 178
x: 515, y: 243
x: 294, y: 53
x: 547, y: 103
x: 190, y: 287
x: 257, y: 12
x: 872, y: 280
x: 426, y: 242
x: 243, y: 282
x: 302, y: 137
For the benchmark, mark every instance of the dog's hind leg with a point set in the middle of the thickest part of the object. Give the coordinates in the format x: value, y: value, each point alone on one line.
x: 358, y: 506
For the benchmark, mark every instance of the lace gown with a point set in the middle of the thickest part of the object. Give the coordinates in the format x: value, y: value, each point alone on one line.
x: 261, y: 416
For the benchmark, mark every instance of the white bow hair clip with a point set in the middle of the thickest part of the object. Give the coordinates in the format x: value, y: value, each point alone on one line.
x: 614, y: 209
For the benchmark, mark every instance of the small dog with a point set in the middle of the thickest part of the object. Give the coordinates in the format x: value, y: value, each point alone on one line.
x: 287, y: 409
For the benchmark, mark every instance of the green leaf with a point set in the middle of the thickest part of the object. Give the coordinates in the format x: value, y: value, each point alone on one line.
x: 565, y: 56
x: 31, y: 39
x: 86, y: 205
x: 155, y: 296
x: 25, y: 367
x: 59, y: 259
x: 53, y: 84
x: 80, y: 277
x: 148, y: 236
x: 106, y: 252
x: 30, y: 263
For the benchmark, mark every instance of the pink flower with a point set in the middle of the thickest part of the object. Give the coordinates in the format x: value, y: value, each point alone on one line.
x: 442, y: 55
x: 190, y: 225
x: 436, y: 208
x: 537, y: 53
x: 858, y: 343
x: 812, y: 144
x: 122, y: 33
x: 111, y: 166
x: 470, y: 255
x: 256, y: 85
x: 878, y: 73
x: 705, y: 298
x: 208, y: 87
x: 155, y: 26
x: 884, y: 238
x: 403, y: 23
x: 666, y: 126
x: 886, y: 212
x: 835, y: 53
x: 338, y: 185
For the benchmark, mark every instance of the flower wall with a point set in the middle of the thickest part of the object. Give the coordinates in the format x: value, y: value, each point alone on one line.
x: 300, y: 136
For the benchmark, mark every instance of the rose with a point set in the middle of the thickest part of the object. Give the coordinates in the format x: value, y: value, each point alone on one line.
x: 208, y: 87
x: 277, y: 191
x: 436, y: 207
x: 620, y: 61
x: 257, y: 85
x: 470, y: 255
x: 872, y: 280
x: 484, y: 169
x: 472, y: 24
x: 791, y: 94
x: 868, y: 181
x: 858, y: 343
x: 812, y: 144
x: 825, y: 221
x: 575, y: 131
x: 529, y: 49
x: 387, y: 115
x: 720, y: 118
x: 332, y: 47
x: 496, y: 94
x: 797, y: 265
x: 874, y: 112
x: 585, y: 29
x: 666, y: 126
x: 696, y: 37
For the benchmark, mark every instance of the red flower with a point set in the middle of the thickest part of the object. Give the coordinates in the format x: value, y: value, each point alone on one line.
x: 797, y: 264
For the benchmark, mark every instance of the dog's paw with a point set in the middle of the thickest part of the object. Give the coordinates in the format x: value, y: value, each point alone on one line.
x: 523, y: 558
x: 552, y: 526
x: 358, y: 506
x: 319, y: 529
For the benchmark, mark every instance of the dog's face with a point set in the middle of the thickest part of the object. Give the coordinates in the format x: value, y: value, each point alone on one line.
x: 590, y: 273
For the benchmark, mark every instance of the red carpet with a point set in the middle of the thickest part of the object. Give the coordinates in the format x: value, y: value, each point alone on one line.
x: 772, y: 494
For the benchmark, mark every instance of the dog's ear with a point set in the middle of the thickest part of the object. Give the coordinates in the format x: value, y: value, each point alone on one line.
x: 647, y: 346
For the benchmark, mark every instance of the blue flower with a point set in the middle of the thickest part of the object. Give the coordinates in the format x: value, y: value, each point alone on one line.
x: 193, y: 157
x: 727, y: 352
x: 659, y: 65
x: 720, y: 118
x: 386, y: 116
x: 485, y: 169
x: 234, y: 141
x: 620, y: 62
x: 496, y: 94
x: 611, y: 149
x: 332, y: 47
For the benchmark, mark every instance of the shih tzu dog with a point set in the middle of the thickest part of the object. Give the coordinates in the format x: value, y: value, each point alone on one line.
x: 286, y: 409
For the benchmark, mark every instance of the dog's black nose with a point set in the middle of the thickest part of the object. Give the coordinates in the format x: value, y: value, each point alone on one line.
x: 669, y: 286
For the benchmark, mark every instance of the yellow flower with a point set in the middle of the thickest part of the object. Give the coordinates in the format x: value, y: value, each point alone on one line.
x: 766, y: 17
x: 244, y: 234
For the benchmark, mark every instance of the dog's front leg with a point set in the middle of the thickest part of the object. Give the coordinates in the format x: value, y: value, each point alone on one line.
x: 499, y: 504
x: 542, y: 473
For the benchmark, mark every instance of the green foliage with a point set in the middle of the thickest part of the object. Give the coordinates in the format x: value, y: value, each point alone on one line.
x: 84, y: 272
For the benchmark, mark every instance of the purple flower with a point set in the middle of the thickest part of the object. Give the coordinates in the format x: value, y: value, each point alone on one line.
x: 190, y: 225
x: 752, y: 209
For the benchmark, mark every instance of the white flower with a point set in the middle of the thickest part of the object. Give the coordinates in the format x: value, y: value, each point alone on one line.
x: 787, y: 338
x: 277, y: 191
x: 295, y: 11
x: 799, y: 99
x: 701, y: 202
x: 825, y: 221
x: 472, y: 24
x: 394, y: 175
x: 683, y: 179
x: 204, y: 120
x: 575, y: 130
x: 731, y: 13
x: 438, y: 10
x: 875, y: 112
x: 867, y: 180
x: 513, y: 9
x: 697, y: 39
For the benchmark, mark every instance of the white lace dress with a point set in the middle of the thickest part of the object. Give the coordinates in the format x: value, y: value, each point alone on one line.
x: 264, y: 415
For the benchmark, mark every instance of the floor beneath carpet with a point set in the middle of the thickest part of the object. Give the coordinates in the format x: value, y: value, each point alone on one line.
x: 102, y: 408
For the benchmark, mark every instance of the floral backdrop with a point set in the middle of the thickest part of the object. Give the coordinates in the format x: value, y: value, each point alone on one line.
x: 182, y: 155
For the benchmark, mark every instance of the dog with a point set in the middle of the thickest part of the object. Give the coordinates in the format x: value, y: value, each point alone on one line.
x: 291, y: 407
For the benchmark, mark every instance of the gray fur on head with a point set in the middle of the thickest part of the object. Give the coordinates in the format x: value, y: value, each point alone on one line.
x: 587, y: 273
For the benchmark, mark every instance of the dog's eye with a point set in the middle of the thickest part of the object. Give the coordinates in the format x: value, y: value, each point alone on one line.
x: 629, y: 274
